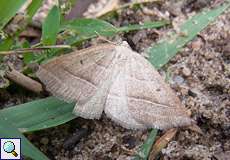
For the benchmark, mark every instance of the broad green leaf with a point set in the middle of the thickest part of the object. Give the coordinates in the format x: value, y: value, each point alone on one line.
x: 146, y: 147
x: 8, y: 8
x: 33, y: 7
x: 162, y: 52
x: 28, y: 149
x: 38, y: 114
x: 50, y: 27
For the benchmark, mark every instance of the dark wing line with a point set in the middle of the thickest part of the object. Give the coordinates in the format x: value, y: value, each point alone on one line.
x: 96, y: 103
x: 151, y: 113
x: 55, y: 84
x: 80, y: 79
x: 118, y: 112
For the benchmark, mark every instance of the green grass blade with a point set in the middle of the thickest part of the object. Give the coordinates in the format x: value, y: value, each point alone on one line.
x: 6, y: 44
x: 8, y: 8
x: 85, y: 29
x: 146, y: 25
x: 33, y: 7
x: 50, y: 27
x: 146, y: 147
x: 28, y: 149
x: 90, y: 27
x: 38, y: 114
x: 162, y: 52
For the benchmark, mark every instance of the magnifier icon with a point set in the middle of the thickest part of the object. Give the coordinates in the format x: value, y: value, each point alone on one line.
x: 9, y: 147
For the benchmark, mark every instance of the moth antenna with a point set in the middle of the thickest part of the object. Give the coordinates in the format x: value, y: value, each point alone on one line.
x: 100, y: 37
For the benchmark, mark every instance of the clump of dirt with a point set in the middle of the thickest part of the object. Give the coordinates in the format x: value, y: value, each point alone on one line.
x: 102, y: 140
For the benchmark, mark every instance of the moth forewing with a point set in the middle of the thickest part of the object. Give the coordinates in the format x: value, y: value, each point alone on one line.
x: 151, y: 101
x: 120, y: 82
x: 116, y: 106
x: 76, y: 77
x: 96, y: 103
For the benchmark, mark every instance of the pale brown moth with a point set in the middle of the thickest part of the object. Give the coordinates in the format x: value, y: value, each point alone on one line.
x: 118, y: 81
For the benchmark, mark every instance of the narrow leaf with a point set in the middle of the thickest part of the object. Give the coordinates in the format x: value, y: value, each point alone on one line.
x: 6, y: 44
x: 8, y: 9
x: 38, y: 114
x: 146, y: 147
x: 85, y: 29
x: 146, y: 25
x: 90, y: 27
x: 51, y: 26
x: 33, y: 7
x: 28, y: 149
x: 162, y: 52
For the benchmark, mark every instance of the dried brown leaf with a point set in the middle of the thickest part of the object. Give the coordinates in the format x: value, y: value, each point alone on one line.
x: 162, y: 142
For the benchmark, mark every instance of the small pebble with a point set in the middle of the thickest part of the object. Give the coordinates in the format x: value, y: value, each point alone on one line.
x: 186, y: 71
x: 139, y: 36
x: 129, y: 141
x: 209, y: 56
x: 184, y: 91
x: 148, y: 11
x: 192, y: 92
x: 44, y: 140
x: 222, y: 155
x: 178, y: 80
x: 71, y: 141
x: 226, y: 50
x: 196, y: 45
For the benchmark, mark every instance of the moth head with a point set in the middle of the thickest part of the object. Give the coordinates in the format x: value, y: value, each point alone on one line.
x: 125, y: 44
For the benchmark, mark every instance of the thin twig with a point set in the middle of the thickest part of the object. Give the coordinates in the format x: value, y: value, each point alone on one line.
x: 37, y: 49
x: 24, y: 81
x: 130, y: 4
x: 137, y: 2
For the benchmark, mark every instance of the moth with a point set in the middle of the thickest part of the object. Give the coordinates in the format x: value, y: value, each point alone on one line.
x: 116, y: 80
